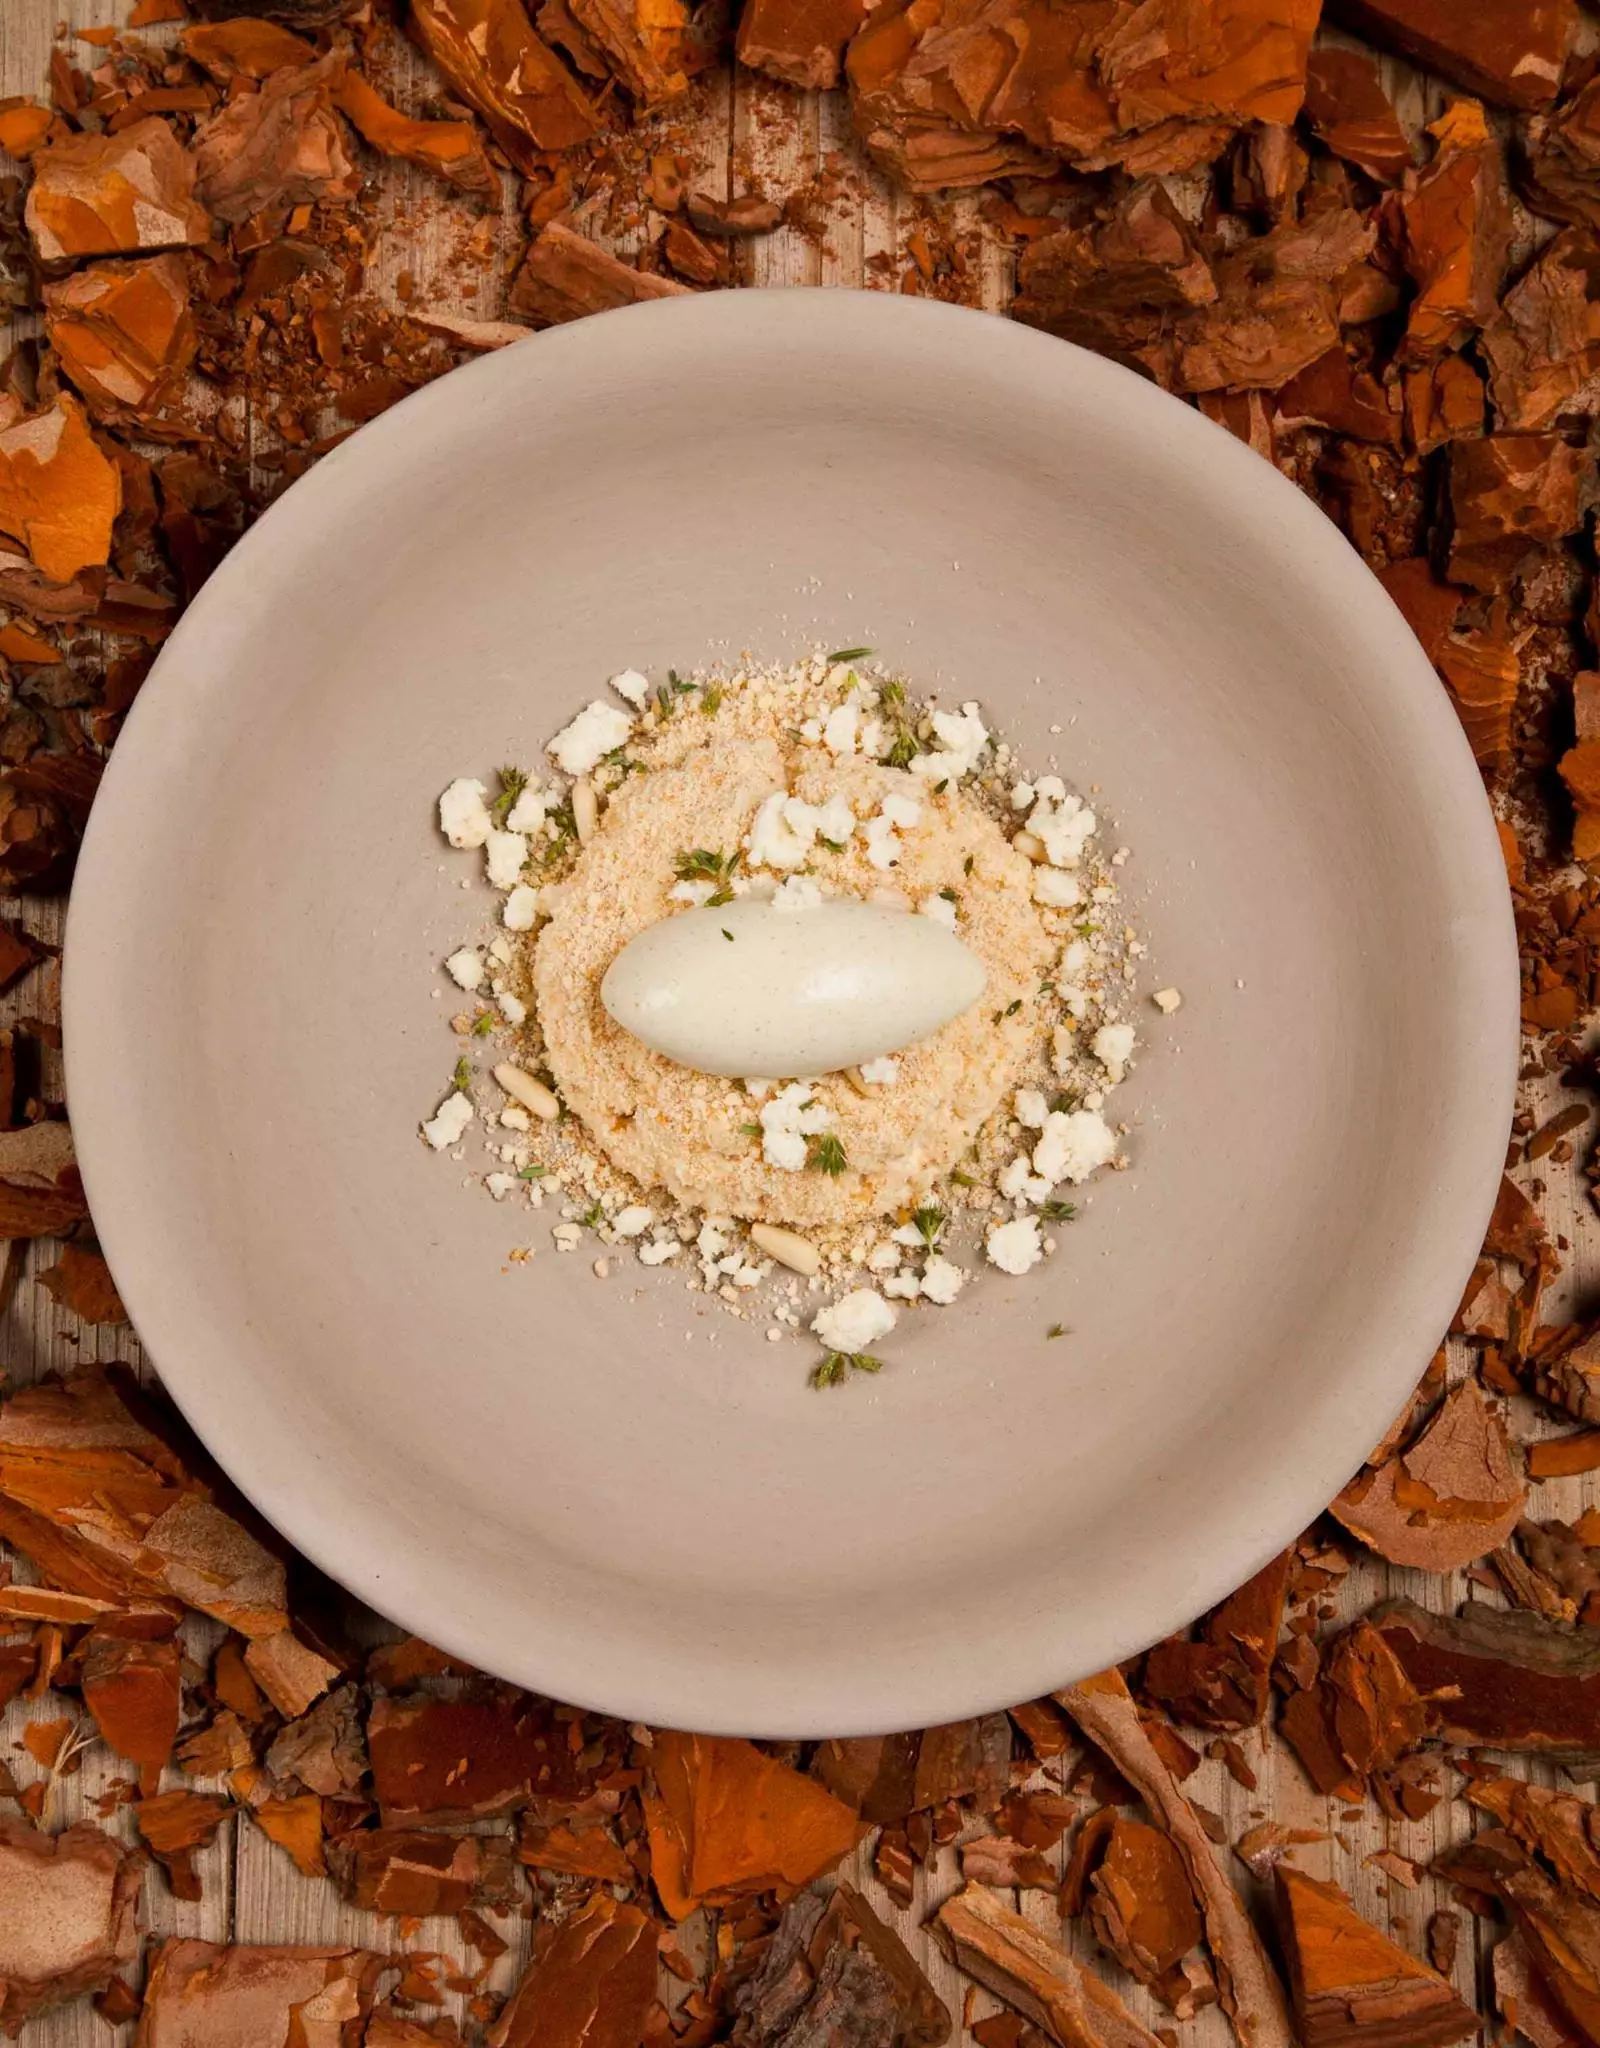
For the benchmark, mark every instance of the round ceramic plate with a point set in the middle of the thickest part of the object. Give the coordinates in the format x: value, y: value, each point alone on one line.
x: 609, y: 1491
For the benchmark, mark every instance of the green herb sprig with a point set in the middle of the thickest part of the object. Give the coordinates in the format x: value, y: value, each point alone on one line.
x: 825, y: 1153
x: 837, y: 1367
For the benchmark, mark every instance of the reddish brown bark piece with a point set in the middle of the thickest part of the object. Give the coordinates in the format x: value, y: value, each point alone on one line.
x: 1559, y: 1457
x: 565, y: 275
x: 1443, y: 402
x: 1560, y: 1928
x: 41, y: 1193
x: 834, y: 1974
x: 1509, y: 51
x: 799, y: 41
x: 1361, y: 1715
x: 81, y: 1281
x: 642, y: 42
x: 290, y: 1671
x: 1250, y: 1993
x: 1509, y: 1680
x: 1351, y: 114
x: 454, y: 149
x: 23, y: 126
x: 873, y: 1774
x: 574, y: 1852
x: 173, y: 1826
x: 111, y: 195
x: 1543, y: 345
x: 489, y: 52
x: 1516, y: 1229
x: 1508, y: 494
x: 408, y: 1871
x: 1451, y: 1496
x: 1560, y: 162
x: 1456, y: 233
x: 1553, y: 1825
x: 67, y: 1923
x: 938, y: 96
x: 1429, y: 603
x: 279, y: 147
x: 244, y: 48
x: 730, y: 1820
x: 59, y: 493
x: 201, y: 1994
x: 1143, y: 1911
x: 1352, y: 1984
x: 325, y: 1749
x: 1331, y: 393
x: 135, y: 1692
x: 746, y: 215
x: 590, y: 1984
x: 123, y: 332
x: 1010, y: 1957
x: 1224, y: 1680
x: 441, y: 1762
x: 99, y: 1495
x: 1522, y: 2000
x: 295, y: 1824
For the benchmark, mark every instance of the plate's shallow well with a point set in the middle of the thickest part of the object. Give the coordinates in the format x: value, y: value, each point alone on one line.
x: 598, y: 1488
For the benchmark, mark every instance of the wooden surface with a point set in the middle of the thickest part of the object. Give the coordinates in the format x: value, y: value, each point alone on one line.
x: 741, y: 131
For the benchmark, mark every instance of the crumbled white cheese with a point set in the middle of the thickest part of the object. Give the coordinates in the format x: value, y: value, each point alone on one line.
x: 883, y: 1257
x: 777, y: 841
x: 522, y: 909
x: 757, y: 1086
x: 1015, y: 1247
x: 713, y: 1240
x: 1167, y: 1000
x: 504, y: 856
x: 1112, y: 1046
x: 1032, y: 1109
x: 797, y: 892
x: 1073, y: 1145
x: 658, y: 1251
x: 909, y: 1234
x: 566, y: 1236
x: 584, y: 743
x: 903, y: 1286
x: 1022, y: 794
x: 515, y: 1118
x: 1062, y: 822
x: 635, y: 687
x: 448, y: 1125
x: 1019, y: 1183
x: 962, y: 737
x: 1055, y: 890
x: 942, y: 1281
x: 940, y: 909
x: 841, y: 730
x: 501, y: 950
x: 835, y: 821
x: 792, y: 1116
x: 463, y: 815
x: 512, y: 1008
x: 696, y: 893
x: 856, y: 1320
x: 500, y: 1184
x: 465, y: 968
x: 880, y: 1073
x: 898, y: 814
x: 633, y: 1221
x: 527, y: 814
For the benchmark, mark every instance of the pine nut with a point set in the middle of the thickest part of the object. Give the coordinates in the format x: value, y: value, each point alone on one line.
x: 585, y: 810
x: 532, y: 1094
x: 798, y: 1253
x: 1029, y: 845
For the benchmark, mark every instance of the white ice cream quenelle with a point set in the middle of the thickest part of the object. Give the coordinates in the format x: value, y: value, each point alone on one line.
x: 745, y: 988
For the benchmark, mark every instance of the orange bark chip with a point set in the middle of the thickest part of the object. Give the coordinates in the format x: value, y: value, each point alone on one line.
x: 23, y: 126
x: 69, y: 1918
x: 243, y: 48
x: 123, y: 332
x: 731, y: 1820
x: 1352, y: 1983
x: 108, y: 195
x: 489, y: 52
x: 591, y: 1983
x: 452, y: 148
x: 59, y: 494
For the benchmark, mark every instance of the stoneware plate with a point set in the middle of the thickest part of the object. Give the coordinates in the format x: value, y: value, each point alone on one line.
x: 598, y: 1489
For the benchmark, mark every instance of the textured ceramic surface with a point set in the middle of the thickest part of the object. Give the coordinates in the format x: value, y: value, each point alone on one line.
x: 599, y: 1488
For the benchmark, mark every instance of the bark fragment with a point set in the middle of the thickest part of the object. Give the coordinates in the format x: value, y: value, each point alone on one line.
x: 1353, y: 1984
x: 114, y: 195
x: 68, y: 1923
x: 565, y: 276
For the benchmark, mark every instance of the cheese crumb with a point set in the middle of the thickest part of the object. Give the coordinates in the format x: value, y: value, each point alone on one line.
x: 463, y: 815
x: 1061, y: 821
x: 1032, y: 1109
x: 1015, y: 1247
x: 584, y: 743
x: 566, y: 1236
x: 940, y: 909
x: 1073, y: 1145
x: 504, y: 856
x: 942, y: 1281
x: 880, y: 1073
x: 898, y: 813
x: 1055, y: 890
x: 883, y: 1257
x: 903, y: 1286
x: 792, y: 1116
x: 1112, y: 1046
x: 635, y: 687
x: 855, y: 1320
x: 633, y: 1221
x: 841, y: 730
x: 500, y: 1184
x: 512, y: 1008
x: 962, y: 737
x: 797, y: 892
x: 448, y: 1125
x: 521, y: 910
x: 1167, y: 1000
x: 465, y: 968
